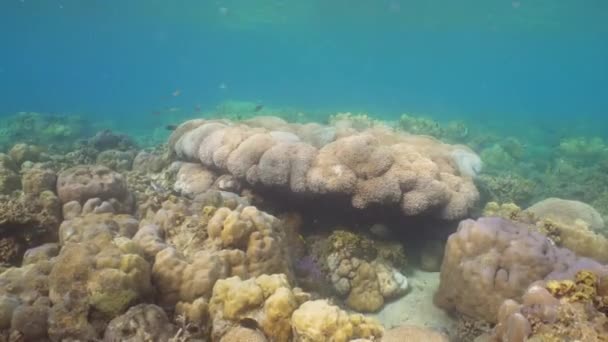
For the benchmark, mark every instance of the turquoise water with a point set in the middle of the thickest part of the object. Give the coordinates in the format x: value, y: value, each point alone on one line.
x: 483, y: 60
x: 526, y: 77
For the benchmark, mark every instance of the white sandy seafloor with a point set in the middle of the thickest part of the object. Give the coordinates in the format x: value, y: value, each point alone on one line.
x: 416, y: 307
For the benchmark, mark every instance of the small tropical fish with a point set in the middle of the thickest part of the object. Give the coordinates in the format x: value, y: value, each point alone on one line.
x: 156, y: 112
x: 197, y: 108
x: 176, y: 93
x: 174, y: 109
x: 171, y: 127
x: 258, y: 108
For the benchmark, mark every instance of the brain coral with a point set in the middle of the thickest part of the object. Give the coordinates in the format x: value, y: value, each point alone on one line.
x: 493, y: 259
x: 376, y: 166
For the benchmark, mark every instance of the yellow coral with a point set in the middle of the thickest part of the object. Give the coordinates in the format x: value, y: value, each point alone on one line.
x: 586, y: 277
x: 560, y: 288
x: 267, y: 299
x: 583, y: 288
x: 319, y: 321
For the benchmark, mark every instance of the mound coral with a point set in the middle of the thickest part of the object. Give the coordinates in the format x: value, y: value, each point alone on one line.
x: 568, y: 212
x: 373, y: 167
x: 566, y: 224
x: 320, y: 321
x: 267, y: 300
x: 193, y: 179
x: 366, y: 273
x: 84, y: 182
x: 492, y: 259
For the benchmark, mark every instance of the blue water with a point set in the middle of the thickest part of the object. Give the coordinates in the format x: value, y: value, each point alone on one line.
x: 495, y: 61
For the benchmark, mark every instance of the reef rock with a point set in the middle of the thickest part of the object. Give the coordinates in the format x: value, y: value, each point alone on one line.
x: 143, y: 322
x: 374, y: 167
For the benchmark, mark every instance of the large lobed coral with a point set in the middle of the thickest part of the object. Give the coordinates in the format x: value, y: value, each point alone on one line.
x: 372, y: 167
x: 493, y: 259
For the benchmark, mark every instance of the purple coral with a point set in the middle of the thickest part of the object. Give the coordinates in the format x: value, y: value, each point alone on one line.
x: 308, y: 267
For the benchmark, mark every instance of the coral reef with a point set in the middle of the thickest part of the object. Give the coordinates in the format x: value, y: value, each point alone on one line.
x: 376, y: 167
x: 319, y: 321
x: 85, y: 182
x: 143, y: 322
x: 26, y: 221
x: 565, y: 310
x: 267, y: 300
x: 21, y: 153
x: 193, y: 179
x: 492, y: 259
x: 453, y: 131
x: 566, y: 224
x: 55, y: 131
x: 108, y: 140
x: 9, y: 176
x: 568, y: 212
x: 505, y: 188
x: 366, y: 273
x: 116, y: 160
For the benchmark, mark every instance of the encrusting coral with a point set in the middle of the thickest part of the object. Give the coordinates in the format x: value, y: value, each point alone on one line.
x: 373, y: 167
